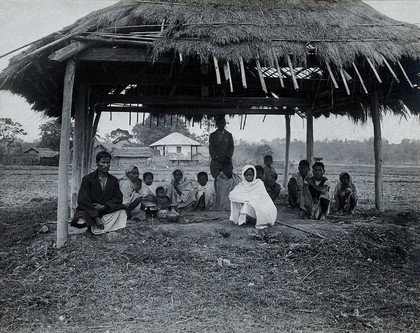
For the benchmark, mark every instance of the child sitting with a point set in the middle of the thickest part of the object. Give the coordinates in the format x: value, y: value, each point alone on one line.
x: 205, y: 192
x: 162, y: 202
x: 345, y: 194
x: 270, y: 177
x: 295, y: 184
x: 316, y: 195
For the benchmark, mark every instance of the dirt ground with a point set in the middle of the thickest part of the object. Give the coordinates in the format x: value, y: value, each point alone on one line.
x: 204, y: 274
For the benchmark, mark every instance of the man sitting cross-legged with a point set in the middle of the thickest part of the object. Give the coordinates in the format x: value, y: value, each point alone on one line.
x: 99, y: 202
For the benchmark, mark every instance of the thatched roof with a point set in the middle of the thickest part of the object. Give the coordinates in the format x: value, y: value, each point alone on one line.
x: 309, y: 35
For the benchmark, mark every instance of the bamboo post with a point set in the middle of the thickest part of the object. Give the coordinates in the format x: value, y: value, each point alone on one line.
x: 343, y: 77
x: 89, y: 137
x: 242, y: 67
x: 292, y: 73
x: 286, y: 158
x: 63, y: 168
x: 334, y: 81
x: 217, y: 70
x: 309, y: 136
x: 93, y: 135
x: 405, y: 75
x: 261, y: 76
x: 279, y: 71
x: 360, y: 77
x: 374, y: 70
x: 390, y: 69
x: 377, y: 147
x: 228, y: 75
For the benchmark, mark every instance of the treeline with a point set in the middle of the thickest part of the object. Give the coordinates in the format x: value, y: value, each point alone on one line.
x: 406, y: 152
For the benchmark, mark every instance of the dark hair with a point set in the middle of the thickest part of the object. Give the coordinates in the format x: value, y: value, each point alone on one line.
x: 304, y: 163
x: 259, y: 168
x: 160, y: 188
x: 268, y: 157
x: 148, y: 173
x: 202, y: 173
x: 320, y: 164
x: 102, y: 154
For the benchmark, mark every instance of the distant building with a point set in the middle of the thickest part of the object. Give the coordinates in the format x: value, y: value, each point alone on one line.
x: 132, y: 156
x: 178, y: 147
x: 46, y: 156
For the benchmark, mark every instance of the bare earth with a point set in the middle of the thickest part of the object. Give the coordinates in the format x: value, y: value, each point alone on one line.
x: 205, y: 274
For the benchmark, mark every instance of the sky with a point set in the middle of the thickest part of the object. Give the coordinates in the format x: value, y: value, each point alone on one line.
x: 25, y: 21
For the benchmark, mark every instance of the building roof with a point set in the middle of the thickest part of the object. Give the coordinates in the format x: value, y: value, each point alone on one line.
x: 133, y: 152
x: 43, y: 152
x: 175, y: 139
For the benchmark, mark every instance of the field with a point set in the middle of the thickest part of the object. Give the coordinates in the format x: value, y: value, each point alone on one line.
x: 347, y: 274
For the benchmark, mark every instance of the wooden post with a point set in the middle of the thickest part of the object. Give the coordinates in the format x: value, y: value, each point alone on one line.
x: 78, y: 145
x: 89, y: 139
x: 93, y: 135
x: 286, y: 158
x: 377, y: 147
x: 63, y: 168
x: 309, y: 137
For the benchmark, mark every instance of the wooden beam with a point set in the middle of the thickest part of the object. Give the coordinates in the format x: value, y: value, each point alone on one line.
x: 63, y: 168
x: 94, y: 130
x: 292, y: 73
x: 78, y: 144
x: 287, y: 154
x: 228, y: 75
x: 405, y: 75
x: 194, y: 111
x: 122, y: 55
x: 68, y: 51
x: 360, y: 77
x: 242, y: 68
x: 309, y: 136
x: 390, y: 69
x: 333, y: 80
x: 374, y: 70
x: 377, y: 147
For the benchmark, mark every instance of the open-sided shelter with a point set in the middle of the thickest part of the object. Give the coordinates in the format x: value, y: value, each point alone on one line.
x: 195, y: 57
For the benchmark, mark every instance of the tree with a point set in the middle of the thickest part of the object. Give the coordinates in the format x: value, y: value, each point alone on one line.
x: 158, y: 127
x: 9, y: 132
x: 120, y: 135
x: 50, y: 134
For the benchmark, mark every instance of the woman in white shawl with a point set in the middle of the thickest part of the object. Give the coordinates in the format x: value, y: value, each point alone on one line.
x: 181, y: 190
x: 129, y: 187
x: 249, y: 199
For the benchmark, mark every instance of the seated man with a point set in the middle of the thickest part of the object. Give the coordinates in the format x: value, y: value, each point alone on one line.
x: 100, y: 205
x: 345, y: 194
x: 315, y: 194
x: 182, y: 190
x: 270, y: 176
x: 295, y: 184
x: 205, y: 192
x: 224, y: 183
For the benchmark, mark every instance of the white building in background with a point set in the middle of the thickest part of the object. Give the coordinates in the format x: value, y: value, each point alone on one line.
x: 178, y: 146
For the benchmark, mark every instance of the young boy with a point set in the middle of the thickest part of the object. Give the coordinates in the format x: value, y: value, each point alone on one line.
x: 147, y: 192
x: 163, y: 202
x: 270, y: 177
x: 295, y: 184
x: 260, y: 172
x: 205, y: 192
x: 316, y: 194
x: 345, y: 194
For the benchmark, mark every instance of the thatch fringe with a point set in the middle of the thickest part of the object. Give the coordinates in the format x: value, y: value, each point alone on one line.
x: 338, y: 31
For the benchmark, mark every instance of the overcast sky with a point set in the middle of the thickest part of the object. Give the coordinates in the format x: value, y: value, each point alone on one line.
x: 24, y: 21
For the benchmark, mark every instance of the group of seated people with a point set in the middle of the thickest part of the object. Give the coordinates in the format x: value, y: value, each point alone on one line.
x: 104, y: 202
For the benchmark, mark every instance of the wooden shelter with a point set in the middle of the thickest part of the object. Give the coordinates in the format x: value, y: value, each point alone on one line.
x: 285, y: 57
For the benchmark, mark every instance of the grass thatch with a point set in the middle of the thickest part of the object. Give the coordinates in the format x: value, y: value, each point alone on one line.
x: 341, y: 32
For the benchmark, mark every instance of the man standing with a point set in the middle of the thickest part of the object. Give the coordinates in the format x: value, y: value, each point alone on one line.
x: 99, y: 202
x: 220, y: 147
